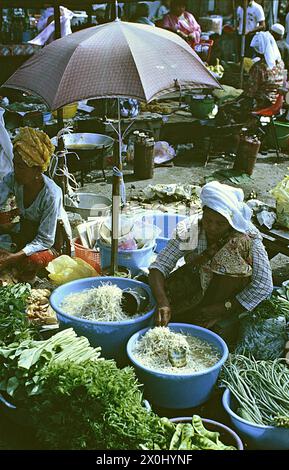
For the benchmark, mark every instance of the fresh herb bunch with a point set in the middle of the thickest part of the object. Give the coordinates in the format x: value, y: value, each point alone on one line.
x: 14, y: 323
x: 271, y: 308
x: 93, y: 405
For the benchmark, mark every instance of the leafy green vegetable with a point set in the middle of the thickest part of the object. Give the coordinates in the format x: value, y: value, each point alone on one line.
x: 270, y: 308
x: 25, y: 360
x: 263, y: 332
x: 14, y: 323
x: 93, y: 405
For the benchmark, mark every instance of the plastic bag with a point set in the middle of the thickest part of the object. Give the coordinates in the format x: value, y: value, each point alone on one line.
x: 65, y: 269
x: 281, y: 194
x: 6, y: 149
x: 263, y: 339
x: 163, y: 152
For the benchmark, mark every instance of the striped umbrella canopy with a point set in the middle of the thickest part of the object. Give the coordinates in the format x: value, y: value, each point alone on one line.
x: 115, y: 59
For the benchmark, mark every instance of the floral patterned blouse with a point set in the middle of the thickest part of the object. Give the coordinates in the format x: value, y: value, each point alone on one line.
x: 263, y: 83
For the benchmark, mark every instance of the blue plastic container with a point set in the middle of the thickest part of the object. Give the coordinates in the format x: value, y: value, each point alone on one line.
x: 179, y: 391
x: 257, y: 436
x: 132, y: 259
x: 167, y: 224
x: 111, y: 336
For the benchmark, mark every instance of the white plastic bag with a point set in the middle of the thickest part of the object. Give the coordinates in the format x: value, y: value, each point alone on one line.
x: 163, y: 152
x: 6, y: 149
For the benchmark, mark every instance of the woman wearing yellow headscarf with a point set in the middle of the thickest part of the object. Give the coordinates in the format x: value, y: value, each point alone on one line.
x: 39, y: 202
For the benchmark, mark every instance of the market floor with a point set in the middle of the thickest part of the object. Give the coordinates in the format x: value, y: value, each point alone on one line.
x: 266, y: 175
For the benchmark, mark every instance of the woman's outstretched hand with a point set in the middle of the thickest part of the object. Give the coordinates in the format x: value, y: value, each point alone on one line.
x: 163, y: 315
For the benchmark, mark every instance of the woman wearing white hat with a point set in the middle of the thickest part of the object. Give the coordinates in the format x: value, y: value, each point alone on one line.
x: 266, y: 76
x: 227, y: 270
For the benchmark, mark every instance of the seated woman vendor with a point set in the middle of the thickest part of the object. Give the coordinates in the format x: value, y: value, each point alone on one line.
x: 226, y: 268
x: 182, y: 22
x: 266, y: 77
x: 38, y: 202
x: 267, y: 74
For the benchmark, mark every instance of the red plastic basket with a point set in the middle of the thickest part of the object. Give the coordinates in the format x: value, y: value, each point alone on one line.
x: 92, y: 257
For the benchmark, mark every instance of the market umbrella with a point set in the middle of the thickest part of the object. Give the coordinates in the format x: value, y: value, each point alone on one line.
x: 112, y: 60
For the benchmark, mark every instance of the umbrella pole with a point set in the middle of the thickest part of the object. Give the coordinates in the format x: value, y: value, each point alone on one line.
x: 243, y: 42
x: 116, y: 207
x: 60, y: 123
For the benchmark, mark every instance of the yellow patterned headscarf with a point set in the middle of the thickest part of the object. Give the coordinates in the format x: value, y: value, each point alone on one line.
x: 34, y: 147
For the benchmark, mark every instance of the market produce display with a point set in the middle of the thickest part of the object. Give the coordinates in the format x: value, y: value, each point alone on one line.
x: 18, y: 107
x: 38, y: 309
x: 190, y: 436
x: 175, y: 353
x: 103, y: 304
x: 14, y: 323
x: 22, y: 362
x: 217, y: 70
x: 155, y: 107
x: 74, y: 398
x: 93, y: 405
x: 263, y: 332
x: 261, y: 389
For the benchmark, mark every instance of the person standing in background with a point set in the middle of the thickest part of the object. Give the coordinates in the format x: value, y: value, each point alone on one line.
x: 255, y: 22
x: 182, y: 22
x: 142, y: 14
x: 278, y: 31
x: 46, y: 26
x: 163, y: 9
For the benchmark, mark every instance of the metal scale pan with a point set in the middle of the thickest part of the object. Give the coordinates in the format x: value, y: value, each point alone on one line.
x: 86, y: 151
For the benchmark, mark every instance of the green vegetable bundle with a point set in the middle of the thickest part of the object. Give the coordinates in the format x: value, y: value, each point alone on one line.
x: 190, y: 436
x: 93, y: 405
x: 261, y: 389
x: 263, y: 332
x: 21, y: 363
x: 14, y: 323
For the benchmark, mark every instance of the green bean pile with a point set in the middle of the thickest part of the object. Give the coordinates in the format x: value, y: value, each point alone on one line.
x: 261, y: 389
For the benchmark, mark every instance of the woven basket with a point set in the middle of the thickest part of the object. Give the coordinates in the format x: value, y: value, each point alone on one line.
x: 92, y: 257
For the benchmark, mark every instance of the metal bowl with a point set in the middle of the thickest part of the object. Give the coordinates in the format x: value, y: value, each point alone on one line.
x: 86, y: 151
x: 85, y: 141
x: 91, y: 205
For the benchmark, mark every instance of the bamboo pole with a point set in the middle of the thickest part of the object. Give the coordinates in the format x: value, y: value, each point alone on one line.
x: 60, y: 122
x: 116, y: 201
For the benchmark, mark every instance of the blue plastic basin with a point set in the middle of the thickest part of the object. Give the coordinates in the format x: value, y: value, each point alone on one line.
x: 167, y: 224
x: 111, y: 336
x: 259, y: 437
x: 179, y: 391
x: 132, y: 259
